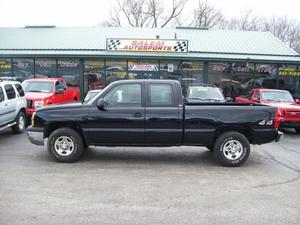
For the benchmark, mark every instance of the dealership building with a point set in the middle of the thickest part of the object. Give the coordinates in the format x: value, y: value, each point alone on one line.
x: 91, y: 58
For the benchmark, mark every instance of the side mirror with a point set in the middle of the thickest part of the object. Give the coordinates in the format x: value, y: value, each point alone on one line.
x: 255, y: 99
x: 297, y: 100
x: 101, y: 104
x: 60, y: 91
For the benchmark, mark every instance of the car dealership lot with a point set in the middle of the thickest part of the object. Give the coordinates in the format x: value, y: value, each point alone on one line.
x: 177, y: 185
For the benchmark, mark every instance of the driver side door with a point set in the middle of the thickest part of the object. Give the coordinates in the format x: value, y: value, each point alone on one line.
x: 122, y: 120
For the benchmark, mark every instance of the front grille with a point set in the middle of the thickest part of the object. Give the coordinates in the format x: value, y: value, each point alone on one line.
x: 292, y: 114
x: 29, y: 104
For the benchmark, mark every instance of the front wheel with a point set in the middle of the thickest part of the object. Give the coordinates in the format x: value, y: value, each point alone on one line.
x: 20, y: 125
x: 66, y: 145
x: 232, y: 149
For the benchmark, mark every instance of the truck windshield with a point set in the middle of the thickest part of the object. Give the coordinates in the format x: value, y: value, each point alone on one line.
x: 277, y: 96
x: 205, y: 94
x: 38, y: 86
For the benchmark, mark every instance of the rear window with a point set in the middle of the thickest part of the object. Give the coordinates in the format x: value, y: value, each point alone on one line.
x: 161, y: 95
x: 10, y: 92
x: 20, y: 90
x: 1, y: 95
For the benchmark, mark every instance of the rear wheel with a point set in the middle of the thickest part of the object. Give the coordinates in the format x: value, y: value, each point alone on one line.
x: 66, y: 145
x: 232, y: 149
x: 20, y: 125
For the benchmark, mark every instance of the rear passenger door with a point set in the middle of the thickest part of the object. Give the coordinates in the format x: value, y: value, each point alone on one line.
x: 11, y: 103
x: 3, y: 107
x: 163, y: 117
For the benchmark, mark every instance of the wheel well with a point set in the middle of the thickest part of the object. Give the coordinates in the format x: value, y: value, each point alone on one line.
x: 23, y: 110
x: 54, y: 126
x: 246, y: 131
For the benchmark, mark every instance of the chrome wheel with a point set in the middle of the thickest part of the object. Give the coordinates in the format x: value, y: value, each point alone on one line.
x: 233, y: 149
x: 64, y: 146
x: 21, y: 123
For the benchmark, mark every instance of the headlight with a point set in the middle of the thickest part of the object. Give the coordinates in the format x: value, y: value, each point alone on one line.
x: 38, y: 104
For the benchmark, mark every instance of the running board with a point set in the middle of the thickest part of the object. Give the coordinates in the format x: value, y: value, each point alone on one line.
x: 8, y: 125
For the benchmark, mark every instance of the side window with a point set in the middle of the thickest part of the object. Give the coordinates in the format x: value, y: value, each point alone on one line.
x: 161, y: 95
x: 60, y: 85
x: 124, y: 95
x: 10, y: 92
x: 1, y: 95
x: 257, y: 95
x: 20, y: 90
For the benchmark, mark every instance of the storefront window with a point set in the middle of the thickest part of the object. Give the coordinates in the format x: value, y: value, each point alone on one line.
x: 45, y: 68
x: 242, y: 77
x: 23, y: 69
x: 170, y: 69
x: 116, y: 70
x: 94, y: 75
x: 266, y: 77
x: 5, y: 67
x: 191, y: 73
x: 219, y: 74
x: 291, y: 82
x: 69, y: 69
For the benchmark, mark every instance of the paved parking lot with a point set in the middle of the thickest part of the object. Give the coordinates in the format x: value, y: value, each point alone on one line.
x: 148, y: 186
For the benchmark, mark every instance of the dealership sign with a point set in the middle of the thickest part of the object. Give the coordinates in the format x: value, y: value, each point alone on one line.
x: 143, y: 67
x: 146, y: 45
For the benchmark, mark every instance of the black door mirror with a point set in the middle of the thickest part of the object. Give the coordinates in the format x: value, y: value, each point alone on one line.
x: 60, y: 91
x: 101, y: 104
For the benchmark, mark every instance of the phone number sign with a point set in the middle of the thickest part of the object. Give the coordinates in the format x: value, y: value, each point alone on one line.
x: 146, y: 45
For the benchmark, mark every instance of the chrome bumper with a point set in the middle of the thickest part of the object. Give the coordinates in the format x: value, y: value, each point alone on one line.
x: 35, y: 136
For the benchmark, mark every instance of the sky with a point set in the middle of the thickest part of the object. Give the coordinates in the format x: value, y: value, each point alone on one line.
x: 62, y: 13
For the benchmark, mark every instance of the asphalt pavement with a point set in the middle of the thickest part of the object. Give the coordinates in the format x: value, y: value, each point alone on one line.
x: 144, y: 186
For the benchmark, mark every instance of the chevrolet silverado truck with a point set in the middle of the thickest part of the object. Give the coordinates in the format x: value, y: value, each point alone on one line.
x: 152, y: 113
x: 46, y: 91
x: 288, y: 108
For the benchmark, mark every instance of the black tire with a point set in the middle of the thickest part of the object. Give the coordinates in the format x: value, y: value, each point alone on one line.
x: 297, y: 130
x: 225, y: 143
x: 20, y: 125
x: 74, y: 142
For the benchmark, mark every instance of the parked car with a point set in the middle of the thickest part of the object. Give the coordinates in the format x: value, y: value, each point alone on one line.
x: 48, y: 91
x: 91, y: 94
x: 12, y: 106
x: 288, y: 109
x: 204, y: 93
x: 152, y: 113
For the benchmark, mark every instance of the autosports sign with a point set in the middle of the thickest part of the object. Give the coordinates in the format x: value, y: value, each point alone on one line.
x: 143, y: 67
x: 146, y: 45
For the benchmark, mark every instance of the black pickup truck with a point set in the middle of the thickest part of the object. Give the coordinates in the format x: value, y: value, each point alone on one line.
x: 152, y: 113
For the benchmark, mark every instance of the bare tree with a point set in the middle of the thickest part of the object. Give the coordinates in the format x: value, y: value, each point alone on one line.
x: 247, y: 21
x: 206, y: 15
x: 147, y: 13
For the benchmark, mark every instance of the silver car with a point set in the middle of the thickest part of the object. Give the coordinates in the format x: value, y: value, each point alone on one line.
x: 12, y: 106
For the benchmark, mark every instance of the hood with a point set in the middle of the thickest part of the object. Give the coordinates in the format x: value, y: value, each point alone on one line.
x: 37, y: 95
x: 285, y: 105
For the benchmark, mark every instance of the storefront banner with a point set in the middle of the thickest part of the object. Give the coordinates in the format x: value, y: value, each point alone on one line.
x: 147, y: 45
x: 143, y: 67
x: 289, y: 73
x: 4, y: 64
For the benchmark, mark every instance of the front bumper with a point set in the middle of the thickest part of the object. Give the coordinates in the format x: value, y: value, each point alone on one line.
x: 36, y: 135
x: 289, y: 124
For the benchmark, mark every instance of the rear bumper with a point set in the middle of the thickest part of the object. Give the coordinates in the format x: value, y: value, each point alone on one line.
x: 262, y: 136
x: 36, y: 135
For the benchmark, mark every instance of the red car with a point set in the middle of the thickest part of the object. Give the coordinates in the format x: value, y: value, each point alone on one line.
x: 46, y: 91
x: 288, y: 108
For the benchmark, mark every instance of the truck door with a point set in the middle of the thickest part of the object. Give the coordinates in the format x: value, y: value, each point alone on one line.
x: 122, y: 121
x: 3, y: 108
x: 163, y: 116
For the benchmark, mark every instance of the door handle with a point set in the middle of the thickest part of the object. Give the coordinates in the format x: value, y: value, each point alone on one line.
x: 137, y: 115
